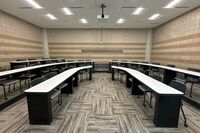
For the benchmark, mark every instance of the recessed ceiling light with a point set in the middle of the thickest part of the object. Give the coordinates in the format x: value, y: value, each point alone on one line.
x: 120, y: 21
x: 154, y: 16
x: 50, y: 16
x: 67, y: 11
x: 33, y: 4
x: 138, y: 11
x: 83, y: 21
x: 173, y: 3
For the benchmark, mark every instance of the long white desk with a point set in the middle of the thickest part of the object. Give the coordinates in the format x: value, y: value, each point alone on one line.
x: 169, y: 72
x: 38, y: 97
x: 37, y: 60
x: 19, y: 70
x: 188, y: 72
x: 168, y: 99
x: 50, y: 84
x: 13, y: 64
x: 156, y: 86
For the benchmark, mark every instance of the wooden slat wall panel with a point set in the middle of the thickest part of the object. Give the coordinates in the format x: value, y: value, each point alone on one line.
x: 178, y: 41
x: 18, y: 39
x: 103, y: 54
x: 118, y: 44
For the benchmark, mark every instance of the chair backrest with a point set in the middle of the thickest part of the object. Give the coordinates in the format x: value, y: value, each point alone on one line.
x: 37, y: 81
x: 45, y: 58
x: 61, y: 70
x: 170, y: 65
x: 178, y: 85
x: 159, y: 78
x: 49, y: 75
x: 1, y: 69
x: 19, y: 66
x: 194, y: 69
x: 70, y: 60
x: 156, y: 63
x: 144, y: 62
x: 21, y: 59
x: 31, y: 59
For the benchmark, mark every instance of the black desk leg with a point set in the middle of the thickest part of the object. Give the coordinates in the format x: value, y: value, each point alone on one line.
x: 128, y: 83
x: 90, y: 74
x: 167, y: 108
x: 39, y: 108
x: 70, y: 84
x: 145, y: 68
x: 113, y: 74
x: 168, y: 76
x: 135, y: 89
x: 76, y: 80
x: 93, y: 67
x: 77, y: 64
x: 109, y: 66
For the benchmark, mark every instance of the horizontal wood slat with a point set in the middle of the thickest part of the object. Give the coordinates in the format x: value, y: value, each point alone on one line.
x: 4, y: 44
x: 98, y: 52
x: 19, y: 39
x: 179, y: 39
x: 183, y: 45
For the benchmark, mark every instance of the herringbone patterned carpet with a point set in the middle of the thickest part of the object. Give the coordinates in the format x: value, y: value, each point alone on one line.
x: 97, y: 106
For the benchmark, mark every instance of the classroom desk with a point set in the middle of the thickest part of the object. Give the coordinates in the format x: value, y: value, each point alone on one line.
x: 13, y: 64
x: 169, y: 72
x: 38, y: 97
x: 168, y: 99
x: 19, y: 70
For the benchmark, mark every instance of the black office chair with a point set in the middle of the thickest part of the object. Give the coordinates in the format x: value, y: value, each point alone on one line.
x: 155, y: 70
x: 180, y: 77
x: 82, y: 72
x: 192, y: 79
x: 116, y: 71
x: 170, y: 65
x: 61, y: 70
x: 37, y: 81
x: 133, y: 66
x: 122, y: 73
x: 146, y: 90
x: 32, y: 59
x: 21, y: 59
x: 181, y: 87
x: 34, y: 63
x: 8, y: 82
x: 49, y: 75
x: 144, y: 62
x: 59, y: 87
x: 45, y: 70
x: 26, y: 76
x: 54, y: 93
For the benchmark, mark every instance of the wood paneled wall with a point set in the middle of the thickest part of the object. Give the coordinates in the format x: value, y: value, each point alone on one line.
x: 79, y: 44
x: 18, y: 39
x: 178, y: 41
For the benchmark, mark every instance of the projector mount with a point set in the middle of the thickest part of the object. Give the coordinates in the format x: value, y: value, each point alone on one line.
x: 102, y: 10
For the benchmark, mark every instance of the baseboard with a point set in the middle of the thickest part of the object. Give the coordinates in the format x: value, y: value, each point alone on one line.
x: 8, y: 102
x: 192, y: 101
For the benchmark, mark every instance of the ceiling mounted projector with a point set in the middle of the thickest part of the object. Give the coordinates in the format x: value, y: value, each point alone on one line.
x: 102, y: 17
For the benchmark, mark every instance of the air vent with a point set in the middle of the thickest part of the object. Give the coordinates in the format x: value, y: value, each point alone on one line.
x: 25, y: 7
x: 128, y: 7
x: 76, y: 7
